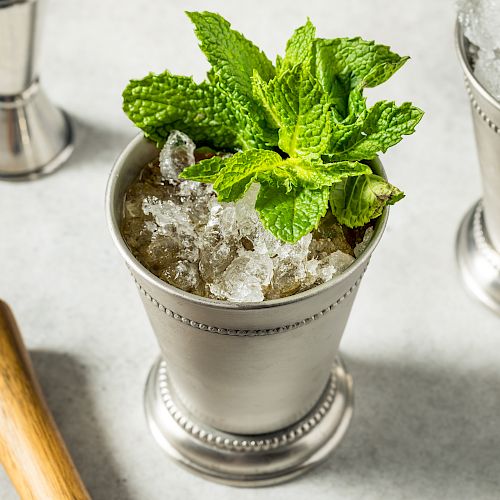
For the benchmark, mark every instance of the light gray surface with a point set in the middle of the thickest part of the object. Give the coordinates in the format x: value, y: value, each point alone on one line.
x: 425, y: 358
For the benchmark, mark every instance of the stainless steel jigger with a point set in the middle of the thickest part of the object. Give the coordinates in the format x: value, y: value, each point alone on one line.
x: 35, y: 137
x: 478, y: 240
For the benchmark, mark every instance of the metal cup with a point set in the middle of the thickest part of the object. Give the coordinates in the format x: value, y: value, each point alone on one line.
x: 478, y: 240
x: 245, y: 394
x: 35, y: 137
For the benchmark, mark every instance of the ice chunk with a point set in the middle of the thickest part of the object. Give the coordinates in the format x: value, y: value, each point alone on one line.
x: 328, y: 238
x: 294, y: 251
x: 311, y: 276
x: 190, y: 189
x: 182, y: 274
x: 174, y: 223
x: 137, y: 233
x: 288, y: 276
x: 360, y: 247
x: 168, y: 216
x: 487, y: 71
x: 177, y: 153
x: 245, y: 279
x: 222, y: 220
x: 481, y: 23
x: 214, y: 260
x: 246, y: 217
x: 161, y: 252
x: 333, y: 264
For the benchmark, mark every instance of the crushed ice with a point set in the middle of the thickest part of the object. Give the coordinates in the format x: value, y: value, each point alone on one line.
x: 184, y: 235
x: 177, y: 153
x: 481, y: 23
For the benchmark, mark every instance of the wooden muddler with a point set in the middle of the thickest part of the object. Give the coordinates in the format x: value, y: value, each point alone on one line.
x: 31, y: 449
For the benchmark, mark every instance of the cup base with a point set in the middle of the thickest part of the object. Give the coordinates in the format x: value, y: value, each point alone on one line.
x: 42, y: 138
x: 478, y: 261
x: 248, y: 460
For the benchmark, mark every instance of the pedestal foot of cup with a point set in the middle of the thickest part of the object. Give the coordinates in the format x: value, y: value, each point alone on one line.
x: 478, y: 261
x: 249, y: 460
x: 42, y: 140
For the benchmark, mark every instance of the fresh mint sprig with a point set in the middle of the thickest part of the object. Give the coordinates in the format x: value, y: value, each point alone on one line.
x: 301, y: 129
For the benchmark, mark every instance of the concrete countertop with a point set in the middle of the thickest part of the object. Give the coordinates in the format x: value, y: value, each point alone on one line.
x: 425, y: 357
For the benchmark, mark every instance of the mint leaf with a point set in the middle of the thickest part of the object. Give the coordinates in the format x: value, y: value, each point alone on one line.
x: 294, y: 191
x: 160, y: 103
x: 290, y: 216
x: 232, y: 176
x: 366, y: 63
x: 241, y: 170
x: 357, y: 200
x: 298, y: 106
x: 381, y: 127
x: 204, y: 171
x: 356, y: 106
x: 344, y: 64
x: 381, y: 72
x: 234, y: 60
x: 232, y: 56
x: 298, y: 47
x: 294, y: 173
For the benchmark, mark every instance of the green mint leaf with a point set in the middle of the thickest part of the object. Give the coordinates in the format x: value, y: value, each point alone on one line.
x: 232, y: 176
x: 241, y: 170
x: 344, y: 64
x: 204, y: 171
x: 357, y: 200
x: 342, y: 169
x: 381, y: 127
x: 234, y: 60
x: 298, y: 47
x: 365, y: 62
x: 231, y: 55
x: 298, y: 106
x: 290, y: 216
x: 294, y: 173
x: 347, y: 131
x: 380, y: 73
x: 160, y: 103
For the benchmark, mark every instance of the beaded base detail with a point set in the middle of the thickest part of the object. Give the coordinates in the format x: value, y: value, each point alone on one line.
x: 483, y: 245
x: 232, y: 442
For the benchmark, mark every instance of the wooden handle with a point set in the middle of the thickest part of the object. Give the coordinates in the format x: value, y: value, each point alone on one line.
x: 31, y: 449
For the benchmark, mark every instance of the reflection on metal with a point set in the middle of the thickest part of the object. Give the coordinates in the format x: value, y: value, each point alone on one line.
x: 478, y: 241
x: 35, y: 137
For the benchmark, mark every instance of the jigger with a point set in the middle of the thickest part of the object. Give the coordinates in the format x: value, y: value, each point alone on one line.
x: 478, y: 240
x: 35, y: 137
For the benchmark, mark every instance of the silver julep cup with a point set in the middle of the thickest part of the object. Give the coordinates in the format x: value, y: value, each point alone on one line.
x: 35, y: 137
x: 478, y: 240
x: 245, y: 394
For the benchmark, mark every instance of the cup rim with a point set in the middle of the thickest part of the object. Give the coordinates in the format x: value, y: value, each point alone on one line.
x: 138, y: 268
x: 461, y: 42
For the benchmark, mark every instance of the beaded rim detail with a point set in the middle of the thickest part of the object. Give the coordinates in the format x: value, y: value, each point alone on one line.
x: 491, y: 255
x: 247, y: 333
x: 231, y: 442
x: 492, y: 125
